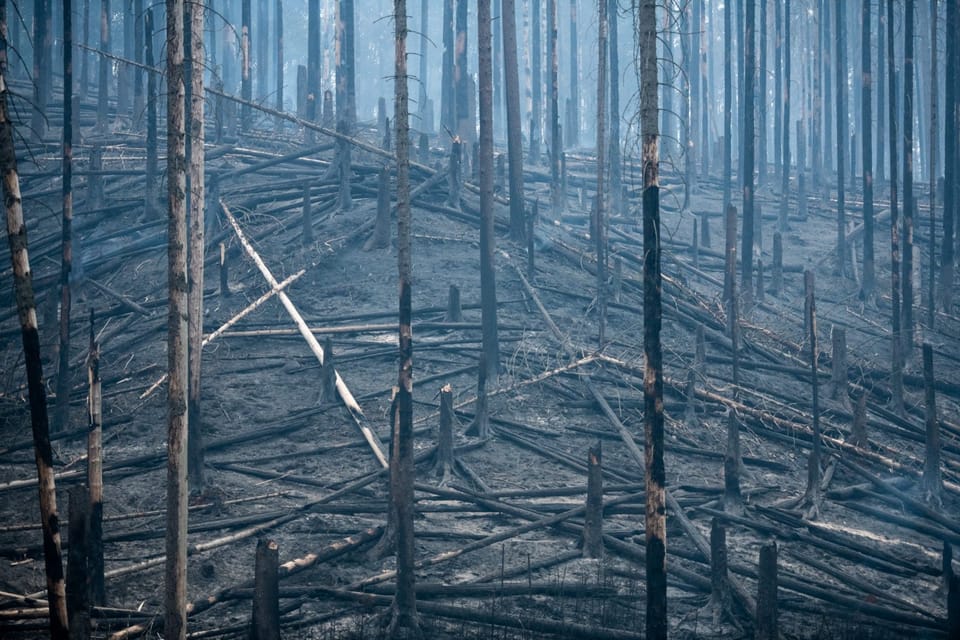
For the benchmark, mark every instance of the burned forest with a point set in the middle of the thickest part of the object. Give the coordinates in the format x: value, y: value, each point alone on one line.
x: 479, y: 319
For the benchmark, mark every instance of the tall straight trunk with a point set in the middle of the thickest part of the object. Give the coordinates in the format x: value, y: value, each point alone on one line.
x: 262, y: 39
x: 514, y: 139
x: 536, y: 97
x: 866, y: 150
x: 401, y: 468
x: 691, y: 60
x: 705, y: 105
x: 278, y: 27
x: 193, y: 27
x: 125, y: 71
x: 741, y: 53
x: 447, y: 110
x: 151, y: 203
x: 498, y: 110
x: 138, y: 103
x: 906, y: 280
x: 463, y: 123
x: 43, y: 82
x: 842, y: 137
x: 313, y: 60
x: 748, y: 142
x: 87, y: 55
x: 423, y: 94
x: 816, y: 116
x: 175, y: 577
x: 103, y: 92
x: 778, y: 87
x: 932, y: 163
x: 727, y: 102
x: 881, y: 90
x: 573, y: 127
x: 613, y: 147
x: 951, y: 152
x: 61, y: 418
x: 785, y: 145
x: 599, y: 225
x: 827, y: 65
x: 896, y: 350
x: 762, y: 101
x: 654, y: 472
x: 554, y: 116
x: 246, y: 84
x: 488, y: 282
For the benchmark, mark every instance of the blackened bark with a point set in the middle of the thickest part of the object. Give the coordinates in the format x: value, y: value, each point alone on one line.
x: 599, y: 224
x: 514, y: 140
x: 151, y: 204
x: 95, y: 471
x: 43, y: 80
x: 404, y: 623
x: 554, y: 116
x: 951, y: 153
x: 536, y: 93
x: 762, y: 102
x: 842, y: 136
x: 593, y: 518
x: 653, y: 422
x: 447, y: 107
x: 866, y: 151
x: 573, y: 127
x: 906, y: 281
x: 246, y: 85
x: 265, y: 622
x: 748, y: 139
x: 193, y: 30
x: 103, y: 92
x: 463, y: 123
x: 727, y: 103
x: 896, y: 347
x: 785, y: 145
x: 61, y: 418
x: 488, y: 282
x: 932, y: 483
x: 23, y: 287
x: 613, y: 147
x: 313, y: 63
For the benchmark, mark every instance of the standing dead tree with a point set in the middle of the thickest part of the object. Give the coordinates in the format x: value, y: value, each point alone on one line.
x: 61, y: 417
x: 514, y: 140
x: 866, y: 152
x: 193, y: 24
x: 653, y: 421
x: 748, y: 145
x: 488, y: 276
x: 896, y: 359
x: 23, y: 287
x: 599, y: 224
x: 404, y: 623
x: 175, y: 576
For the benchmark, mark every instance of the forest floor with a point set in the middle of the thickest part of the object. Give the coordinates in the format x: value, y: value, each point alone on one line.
x: 869, y: 564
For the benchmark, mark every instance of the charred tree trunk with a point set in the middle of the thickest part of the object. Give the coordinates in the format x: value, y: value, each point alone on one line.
x: 95, y: 471
x: 705, y: 105
x: 785, y: 145
x: 536, y: 93
x: 654, y: 473
x: 778, y: 88
x: 447, y: 97
x: 346, y: 116
x: 404, y: 623
x: 842, y: 137
x: 488, y: 283
x: 573, y: 124
x: 599, y: 224
x: 593, y: 518
x: 613, y: 148
x: 866, y: 150
x: 138, y: 102
x: 278, y: 21
x: 426, y: 116
x: 313, y: 63
x: 262, y: 41
x: 193, y: 28
x: 42, y: 65
x: 932, y: 482
x: 727, y: 103
x: 932, y: 162
x: 23, y: 287
x: 61, y: 419
x: 748, y: 140
x: 951, y: 154
x: 762, y: 102
x: 103, y: 92
x: 175, y: 577
x: 514, y: 140
x: 462, y: 121
x: 246, y: 83
x: 556, y: 196
x: 906, y: 281
x: 896, y: 347
x: 151, y: 203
